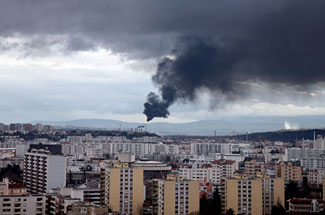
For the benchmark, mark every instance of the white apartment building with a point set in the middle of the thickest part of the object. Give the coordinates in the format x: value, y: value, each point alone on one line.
x: 23, y: 205
x: 14, y: 200
x: 228, y: 166
x: 139, y: 149
x: 210, y: 172
x: 43, y: 171
x: 319, y: 143
x: 73, y: 148
x: 208, y: 148
x: 315, y: 176
x: 313, y: 162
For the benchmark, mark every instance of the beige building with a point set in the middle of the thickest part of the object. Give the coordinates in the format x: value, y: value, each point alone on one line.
x: 289, y: 171
x: 122, y: 188
x: 252, y: 195
x: 273, y: 192
x: 175, y: 196
x: 253, y: 167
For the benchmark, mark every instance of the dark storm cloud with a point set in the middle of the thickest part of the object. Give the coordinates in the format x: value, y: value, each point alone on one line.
x: 143, y: 27
x: 79, y: 44
x: 218, y: 46
x: 283, y: 48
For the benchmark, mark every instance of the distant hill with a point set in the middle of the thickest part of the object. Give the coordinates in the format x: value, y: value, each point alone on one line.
x: 283, y: 135
x: 222, y: 125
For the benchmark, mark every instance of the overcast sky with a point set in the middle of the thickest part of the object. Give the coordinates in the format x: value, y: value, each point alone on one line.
x: 64, y: 60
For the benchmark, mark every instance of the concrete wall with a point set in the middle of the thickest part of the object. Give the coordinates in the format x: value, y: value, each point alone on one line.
x: 56, y: 171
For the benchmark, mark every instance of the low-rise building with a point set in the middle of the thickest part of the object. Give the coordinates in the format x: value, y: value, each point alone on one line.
x: 23, y: 204
x: 306, y: 206
x: 87, y: 209
x: 14, y: 199
x: 88, y: 192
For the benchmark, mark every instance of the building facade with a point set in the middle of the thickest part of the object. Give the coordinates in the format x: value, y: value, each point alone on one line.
x: 122, y: 188
x: 175, y: 196
x: 252, y: 195
x: 289, y: 171
x: 43, y: 171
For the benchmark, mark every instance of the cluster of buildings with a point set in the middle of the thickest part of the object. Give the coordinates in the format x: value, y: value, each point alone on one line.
x: 153, y: 175
x: 26, y: 127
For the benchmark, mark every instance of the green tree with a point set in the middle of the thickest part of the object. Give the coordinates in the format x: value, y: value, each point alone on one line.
x: 292, y: 191
x: 211, y: 206
x: 215, y: 203
x: 230, y: 211
x: 13, y: 172
x: 204, y: 206
x: 278, y: 209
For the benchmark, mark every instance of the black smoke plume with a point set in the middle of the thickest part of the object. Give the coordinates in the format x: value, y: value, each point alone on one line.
x: 196, y: 64
x: 155, y: 107
x: 284, y: 48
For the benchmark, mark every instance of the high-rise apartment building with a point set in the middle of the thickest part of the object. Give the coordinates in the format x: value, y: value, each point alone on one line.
x: 289, y: 171
x: 253, y: 167
x: 252, y: 195
x: 27, y: 127
x: 2, y: 127
x: 122, y: 188
x: 175, y: 196
x: 15, y: 127
x: 272, y: 192
x: 43, y: 171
